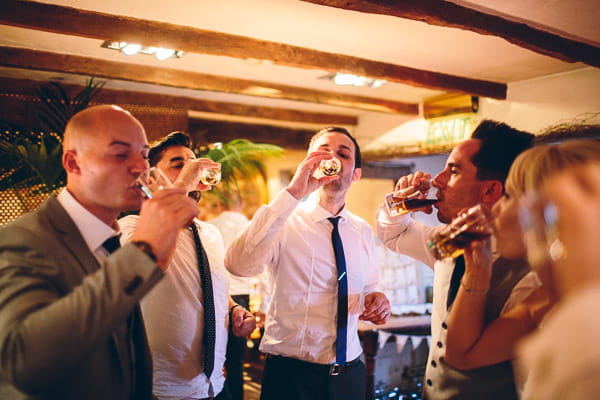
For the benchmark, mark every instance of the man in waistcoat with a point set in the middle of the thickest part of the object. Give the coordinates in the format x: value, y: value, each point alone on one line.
x: 474, y: 173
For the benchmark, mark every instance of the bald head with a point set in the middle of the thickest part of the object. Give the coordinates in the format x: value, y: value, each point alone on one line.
x: 94, y: 121
x: 104, y: 150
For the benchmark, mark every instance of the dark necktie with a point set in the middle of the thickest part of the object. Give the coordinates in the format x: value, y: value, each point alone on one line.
x: 457, y: 274
x: 126, y: 331
x: 112, y: 243
x: 342, y: 317
x: 209, y: 304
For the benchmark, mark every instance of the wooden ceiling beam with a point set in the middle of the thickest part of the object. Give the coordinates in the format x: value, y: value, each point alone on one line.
x: 447, y: 14
x: 47, y: 61
x: 89, y: 24
x: 126, y: 97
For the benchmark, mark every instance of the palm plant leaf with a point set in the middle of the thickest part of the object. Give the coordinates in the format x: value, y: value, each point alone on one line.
x: 30, y: 157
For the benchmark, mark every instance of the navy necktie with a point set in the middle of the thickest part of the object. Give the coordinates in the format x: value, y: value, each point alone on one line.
x: 342, y: 316
x: 209, y: 305
x: 112, y: 243
x: 457, y: 274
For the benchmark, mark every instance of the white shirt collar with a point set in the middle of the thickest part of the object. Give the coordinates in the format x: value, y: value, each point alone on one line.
x: 318, y: 213
x: 92, y: 229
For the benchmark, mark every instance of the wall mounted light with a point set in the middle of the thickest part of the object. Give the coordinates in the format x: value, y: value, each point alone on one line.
x: 130, y: 49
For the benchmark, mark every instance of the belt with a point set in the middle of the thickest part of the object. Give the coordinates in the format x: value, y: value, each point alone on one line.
x: 331, y: 369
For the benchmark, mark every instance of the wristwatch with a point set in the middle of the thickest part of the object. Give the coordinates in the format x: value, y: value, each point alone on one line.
x: 146, y: 248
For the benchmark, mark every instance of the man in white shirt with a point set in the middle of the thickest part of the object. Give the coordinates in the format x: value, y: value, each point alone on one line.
x: 308, y: 354
x: 474, y: 173
x: 174, y: 312
x: 69, y: 318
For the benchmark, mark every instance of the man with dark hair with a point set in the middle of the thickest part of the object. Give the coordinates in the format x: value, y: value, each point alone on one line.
x: 474, y: 173
x: 322, y: 265
x: 70, y: 326
x: 175, y: 313
x: 176, y: 138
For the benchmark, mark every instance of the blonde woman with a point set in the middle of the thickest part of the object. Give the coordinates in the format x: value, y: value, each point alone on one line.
x: 473, y: 342
x: 563, y: 358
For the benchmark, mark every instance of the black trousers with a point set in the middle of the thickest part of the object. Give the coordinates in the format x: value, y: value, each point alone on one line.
x: 291, y: 379
x: 234, y: 358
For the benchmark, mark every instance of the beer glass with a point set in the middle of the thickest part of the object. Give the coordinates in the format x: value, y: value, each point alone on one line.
x: 405, y: 200
x: 151, y: 180
x: 194, y: 172
x: 452, y: 240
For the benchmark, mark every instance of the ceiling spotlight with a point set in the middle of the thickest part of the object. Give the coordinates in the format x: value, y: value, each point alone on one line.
x: 131, y: 49
x: 354, y: 80
x: 163, y: 54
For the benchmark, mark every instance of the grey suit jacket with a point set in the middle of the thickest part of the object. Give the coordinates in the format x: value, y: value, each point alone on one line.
x: 70, y: 328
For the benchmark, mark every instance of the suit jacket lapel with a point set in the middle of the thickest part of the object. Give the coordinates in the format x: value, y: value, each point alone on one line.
x: 73, y: 241
x: 70, y: 236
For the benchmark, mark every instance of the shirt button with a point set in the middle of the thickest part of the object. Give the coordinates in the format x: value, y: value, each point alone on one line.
x: 429, y: 382
x: 433, y: 363
x: 444, y: 325
x: 440, y: 345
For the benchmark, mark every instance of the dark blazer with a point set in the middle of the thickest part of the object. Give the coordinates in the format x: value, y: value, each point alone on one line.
x: 70, y: 328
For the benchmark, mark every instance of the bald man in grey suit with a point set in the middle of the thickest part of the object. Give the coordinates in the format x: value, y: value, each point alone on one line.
x: 70, y: 326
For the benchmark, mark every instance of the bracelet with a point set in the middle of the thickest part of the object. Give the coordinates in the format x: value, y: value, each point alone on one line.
x: 474, y: 291
x: 231, y: 309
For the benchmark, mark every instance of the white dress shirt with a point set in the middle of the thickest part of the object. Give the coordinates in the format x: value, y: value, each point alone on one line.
x: 92, y: 229
x: 294, y: 241
x: 562, y: 358
x: 174, y: 317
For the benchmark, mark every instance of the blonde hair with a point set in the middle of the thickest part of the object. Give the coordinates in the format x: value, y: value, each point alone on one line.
x: 533, y: 167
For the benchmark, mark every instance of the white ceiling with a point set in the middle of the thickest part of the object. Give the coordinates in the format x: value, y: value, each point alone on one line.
x: 376, y: 37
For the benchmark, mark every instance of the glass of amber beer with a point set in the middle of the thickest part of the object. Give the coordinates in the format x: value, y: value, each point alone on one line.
x: 468, y: 226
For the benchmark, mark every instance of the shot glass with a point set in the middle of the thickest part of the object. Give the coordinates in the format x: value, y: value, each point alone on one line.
x: 151, y: 180
x: 330, y: 167
x: 405, y: 200
x: 457, y: 235
x: 539, y: 223
x: 210, y: 176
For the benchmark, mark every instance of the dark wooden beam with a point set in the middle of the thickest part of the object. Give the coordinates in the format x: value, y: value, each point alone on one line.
x: 72, y: 21
x: 447, y: 14
x: 46, y: 61
x: 10, y: 86
x: 207, y: 131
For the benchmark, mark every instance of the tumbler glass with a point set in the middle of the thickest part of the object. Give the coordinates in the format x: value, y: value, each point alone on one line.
x: 457, y: 235
x: 194, y: 172
x: 151, y: 180
x: 405, y: 200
